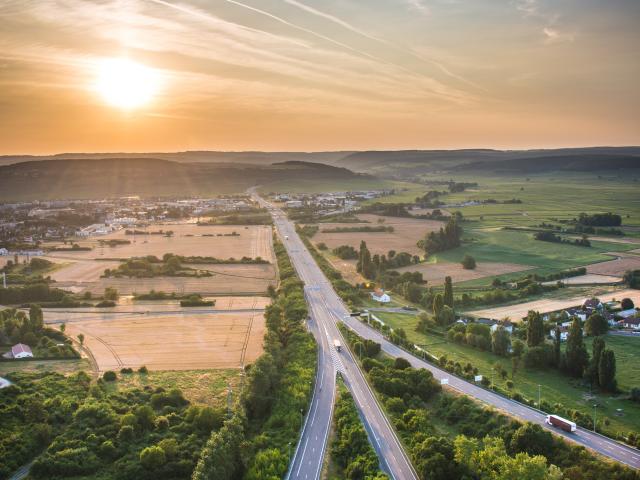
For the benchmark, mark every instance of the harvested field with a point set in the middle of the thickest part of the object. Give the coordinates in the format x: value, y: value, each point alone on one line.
x: 589, y: 279
x: 188, y: 239
x: 81, y: 271
x: 623, y: 262
x: 226, y: 279
x: 180, y: 341
x: 347, y: 268
x: 519, y: 311
x: 434, y: 273
x: 407, y: 232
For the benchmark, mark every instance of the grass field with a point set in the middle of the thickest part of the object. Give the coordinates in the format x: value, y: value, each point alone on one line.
x: 544, y: 196
x: 554, y: 387
x: 202, y: 387
x: 65, y: 367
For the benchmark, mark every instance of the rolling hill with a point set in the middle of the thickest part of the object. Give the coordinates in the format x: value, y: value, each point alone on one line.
x: 148, y: 177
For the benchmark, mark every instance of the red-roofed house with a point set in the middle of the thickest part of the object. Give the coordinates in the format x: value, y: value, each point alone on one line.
x: 21, y: 350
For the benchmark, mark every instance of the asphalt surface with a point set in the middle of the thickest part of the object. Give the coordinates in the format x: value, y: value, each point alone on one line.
x: 326, y: 309
x: 599, y: 443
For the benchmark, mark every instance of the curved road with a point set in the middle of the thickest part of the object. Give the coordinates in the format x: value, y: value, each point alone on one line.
x: 326, y: 310
x: 599, y: 443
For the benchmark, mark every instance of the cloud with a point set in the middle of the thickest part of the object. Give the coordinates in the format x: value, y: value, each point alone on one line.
x: 555, y: 36
x: 419, y: 5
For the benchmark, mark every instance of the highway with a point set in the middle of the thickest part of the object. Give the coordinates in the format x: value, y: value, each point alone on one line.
x: 326, y: 310
x: 599, y: 443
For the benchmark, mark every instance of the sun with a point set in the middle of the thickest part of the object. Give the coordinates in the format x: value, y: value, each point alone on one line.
x: 126, y: 84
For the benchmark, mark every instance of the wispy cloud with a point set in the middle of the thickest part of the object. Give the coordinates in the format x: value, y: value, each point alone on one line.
x: 419, y: 6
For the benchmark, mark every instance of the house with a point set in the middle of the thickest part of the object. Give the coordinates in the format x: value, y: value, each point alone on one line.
x: 378, y: 295
x: 624, y: 314
x: 20, y: 350
x: 508, y: 326
x: 4, y: 252
x: 633, y: 323
x: 564, y: 333
x: 487, y: 321
x: 294, y: 204
x: 591, y: 304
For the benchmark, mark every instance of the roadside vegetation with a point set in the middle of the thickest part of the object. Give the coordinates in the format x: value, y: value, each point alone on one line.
x: 451, y: 436
x: 255, y: 443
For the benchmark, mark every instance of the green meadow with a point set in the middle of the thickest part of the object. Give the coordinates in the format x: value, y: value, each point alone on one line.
x: 554, y: 387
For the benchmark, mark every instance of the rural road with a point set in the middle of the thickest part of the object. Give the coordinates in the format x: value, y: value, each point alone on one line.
x: 326, y: 310
x: 603, y: 445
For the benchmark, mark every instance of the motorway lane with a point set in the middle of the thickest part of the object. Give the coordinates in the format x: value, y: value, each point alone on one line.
x: 326, y: 309
x: 603, y: 445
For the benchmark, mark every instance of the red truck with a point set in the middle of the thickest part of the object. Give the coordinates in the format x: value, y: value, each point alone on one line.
x: 561, y: 423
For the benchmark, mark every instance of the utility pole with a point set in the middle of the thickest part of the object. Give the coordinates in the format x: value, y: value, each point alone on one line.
x: 595, y: 405
x: 4, y: 279
x: 229, y: 400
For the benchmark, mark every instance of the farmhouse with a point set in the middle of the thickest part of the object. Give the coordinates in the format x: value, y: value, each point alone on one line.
x: 378, y: 295
x: 564, y: 333
x: 20, y: 350
x: 633, y: 323
x: 624, y: 314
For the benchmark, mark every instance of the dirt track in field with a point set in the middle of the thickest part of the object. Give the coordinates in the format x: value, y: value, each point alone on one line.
x: 407, y: 232
x: 518, y: 312
x: 173, y: 342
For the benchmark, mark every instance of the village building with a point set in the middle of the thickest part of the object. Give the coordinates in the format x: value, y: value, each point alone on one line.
x: 379, y: 295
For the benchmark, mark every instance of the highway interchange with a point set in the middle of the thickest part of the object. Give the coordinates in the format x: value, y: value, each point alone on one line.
x: 326, y: 310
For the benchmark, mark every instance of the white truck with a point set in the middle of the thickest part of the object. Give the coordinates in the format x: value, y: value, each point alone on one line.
x: 336, y: 343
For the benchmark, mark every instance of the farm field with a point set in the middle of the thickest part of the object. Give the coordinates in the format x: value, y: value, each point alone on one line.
x: 200, y: 387
x: 435, y: 272
x: 519, y: 311
x: 407, y: 232
x: 544, y: 196
x: 226, y: 279
x: 188, y: 239
x: 175, y: 341
x: 554, y: 387
x: 617, y: 266
x: 588, y: 279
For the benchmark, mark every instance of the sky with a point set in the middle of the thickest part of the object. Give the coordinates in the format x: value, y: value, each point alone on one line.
x: 310, y: 75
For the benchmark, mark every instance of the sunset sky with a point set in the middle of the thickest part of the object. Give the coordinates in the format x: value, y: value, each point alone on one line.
x: 155, y: 75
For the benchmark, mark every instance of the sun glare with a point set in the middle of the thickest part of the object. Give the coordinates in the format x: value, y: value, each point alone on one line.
x: 126, y: 84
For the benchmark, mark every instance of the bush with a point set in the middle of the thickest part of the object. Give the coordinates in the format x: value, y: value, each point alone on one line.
x: 468, y: 262
x: 143, y: 370
x: 109, y: 376
x: 152, y: 457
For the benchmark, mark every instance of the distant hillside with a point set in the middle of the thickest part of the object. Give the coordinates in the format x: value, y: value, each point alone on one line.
x: 103, y: 178
x: 203, y: 156
x: 414, y: 162
x: 576, y: 163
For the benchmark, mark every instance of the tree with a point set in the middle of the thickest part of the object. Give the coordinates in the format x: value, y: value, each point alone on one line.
x: 111, y: 293
x: 81, y: 338
x: 448, y: 292
x: 627, y: 304
x: 607, y: 371
x: 152, y: 457
x: 535, y: 329
x: 531, y: 439
x: 438, y: 303
x: 500, y: 341
x: 435, y: 459
x: 447, y: 316
x: 468, y: 262
x: 576, y: 355
x: 557, y: 352
x: 596, y: 325
x: 597, y: 348
x: 63, y: 327
x: 36, y: 319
